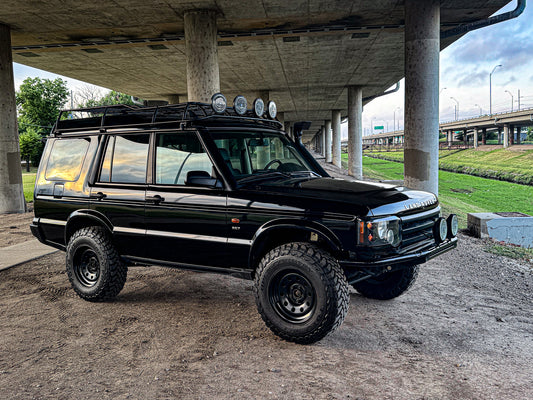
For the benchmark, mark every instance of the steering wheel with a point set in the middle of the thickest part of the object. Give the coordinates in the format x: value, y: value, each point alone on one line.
x: 270, y: 163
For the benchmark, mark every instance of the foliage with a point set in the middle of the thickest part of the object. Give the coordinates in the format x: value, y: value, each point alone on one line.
x: 516, y: 252
x: 31, y: 146
x: 109, y: 99
x: 530, y: 133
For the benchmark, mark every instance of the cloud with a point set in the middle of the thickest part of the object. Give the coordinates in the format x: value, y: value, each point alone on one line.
x: 475, y: 78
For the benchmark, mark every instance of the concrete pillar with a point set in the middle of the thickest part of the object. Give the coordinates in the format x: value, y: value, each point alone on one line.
x: 355, y: 131
x: 475, y: 137
x: 484, y: 136
x: 203, y: 78
x: 323, y: 141
x: 450, y: 137
x: 506, y: 135
x: 518, y: 131
x: 11, y: 190
x: 499, y: 135
x: 465, y: 136
x: 511, y: 134
x: 336, y: 153
x: 328, y: 135
x: 422, y: 46
x: 174, y: 99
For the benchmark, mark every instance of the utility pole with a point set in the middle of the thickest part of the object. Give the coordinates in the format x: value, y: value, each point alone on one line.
x: 490, y: 88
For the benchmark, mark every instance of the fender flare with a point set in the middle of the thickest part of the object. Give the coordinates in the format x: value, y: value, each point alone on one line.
x: 88, y: 215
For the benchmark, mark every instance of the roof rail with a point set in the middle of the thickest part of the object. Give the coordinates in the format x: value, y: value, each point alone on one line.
x: 125, y: 116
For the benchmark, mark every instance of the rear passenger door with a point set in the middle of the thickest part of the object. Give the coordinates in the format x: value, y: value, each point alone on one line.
x: 185, y: 224
x: 119, y: 190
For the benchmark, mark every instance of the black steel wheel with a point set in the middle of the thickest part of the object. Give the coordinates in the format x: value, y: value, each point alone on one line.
x: 389, y: 285
x: 94, y: 268
x: 301, y: 292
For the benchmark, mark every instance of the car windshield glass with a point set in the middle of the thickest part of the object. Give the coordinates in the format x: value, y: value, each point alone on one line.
x: 250, y: 154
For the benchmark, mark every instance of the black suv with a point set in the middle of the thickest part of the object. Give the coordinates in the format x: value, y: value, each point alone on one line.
x: 207, y: 187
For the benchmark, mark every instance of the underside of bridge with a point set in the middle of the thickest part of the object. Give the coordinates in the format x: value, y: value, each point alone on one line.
x: 305, y: 55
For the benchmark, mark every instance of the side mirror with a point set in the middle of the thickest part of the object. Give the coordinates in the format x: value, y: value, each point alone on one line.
x: 202, y: 179
x: 299, y: 128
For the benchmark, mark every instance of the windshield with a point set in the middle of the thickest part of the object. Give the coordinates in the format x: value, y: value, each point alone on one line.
x: 250, y: 154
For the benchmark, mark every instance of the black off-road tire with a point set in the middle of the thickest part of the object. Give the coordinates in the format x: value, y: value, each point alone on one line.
x: 388, y: 285
x: 94, y: 267
x: 301, y: 292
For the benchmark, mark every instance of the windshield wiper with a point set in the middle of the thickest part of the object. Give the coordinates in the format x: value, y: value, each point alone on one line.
x: 259, y: 176
x: 300, y: 173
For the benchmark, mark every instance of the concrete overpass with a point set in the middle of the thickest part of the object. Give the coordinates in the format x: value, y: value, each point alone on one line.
x: 317, y: 58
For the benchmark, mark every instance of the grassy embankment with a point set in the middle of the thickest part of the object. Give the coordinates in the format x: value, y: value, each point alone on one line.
x: 507, y: 165
x: 460, y: 193
x: 28, y: 182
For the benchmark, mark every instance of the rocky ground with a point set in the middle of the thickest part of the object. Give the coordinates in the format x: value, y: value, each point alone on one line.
x: 464, y: 331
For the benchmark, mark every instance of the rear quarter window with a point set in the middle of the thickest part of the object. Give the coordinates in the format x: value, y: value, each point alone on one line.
x: 66, y: 159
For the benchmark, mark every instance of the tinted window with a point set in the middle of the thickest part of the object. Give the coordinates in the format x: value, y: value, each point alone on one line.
x: 125, y: 159
x: 66, y: 159
x: 176, y: 155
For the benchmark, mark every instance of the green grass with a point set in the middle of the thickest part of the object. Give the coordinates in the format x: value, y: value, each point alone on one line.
x: 502, y: 164
x: 28, y: 181
x: 518, y: 253
x: 461, y: 194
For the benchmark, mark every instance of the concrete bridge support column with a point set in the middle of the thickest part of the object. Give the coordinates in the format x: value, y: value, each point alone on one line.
x: 484, y: 136
x: 506, y: 135
x: 511, y: 134
x: 449, y: 137
x: 174, y: 99
x: 465, y: 137
x: 518, y: 131
x: 499, y: 135
x: 323, y: 141
x: 327, y: 124
x: 11, y: 191
x: 203, y: 79
x: 422, y: 46
x: 355, y: 131
x: 475, y: 137
x: 336, y: 136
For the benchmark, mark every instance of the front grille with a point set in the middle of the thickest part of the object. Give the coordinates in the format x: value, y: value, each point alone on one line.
x: 417, y: 229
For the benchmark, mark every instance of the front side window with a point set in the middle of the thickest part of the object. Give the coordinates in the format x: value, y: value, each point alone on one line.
x: 125, y: 159
x: 177, y: 154
x: 66, y: 159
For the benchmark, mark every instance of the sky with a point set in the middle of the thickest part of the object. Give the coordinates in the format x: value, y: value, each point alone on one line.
x: 464, y: 75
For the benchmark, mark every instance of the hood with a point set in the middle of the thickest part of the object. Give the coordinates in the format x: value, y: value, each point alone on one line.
x: 352, y: 197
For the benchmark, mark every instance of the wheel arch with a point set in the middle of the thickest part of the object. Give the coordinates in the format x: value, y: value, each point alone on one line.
x: 84, y: 218
x: 278, y: 232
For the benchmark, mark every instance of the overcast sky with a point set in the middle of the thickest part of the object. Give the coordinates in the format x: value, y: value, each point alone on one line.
x: 464, y: 73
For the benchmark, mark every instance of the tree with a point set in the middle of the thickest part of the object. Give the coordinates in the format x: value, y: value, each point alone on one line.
x: 110, y: 99
x: 31, y: 146
x: 530, y: 134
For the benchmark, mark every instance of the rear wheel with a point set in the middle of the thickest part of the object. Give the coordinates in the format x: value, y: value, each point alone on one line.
x: 388, y: 285
x: 94, y: 267
x: 301, y: 292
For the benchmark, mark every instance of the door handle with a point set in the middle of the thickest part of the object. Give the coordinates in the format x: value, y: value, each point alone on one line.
x: 156, y: 199
x: 98, y: 196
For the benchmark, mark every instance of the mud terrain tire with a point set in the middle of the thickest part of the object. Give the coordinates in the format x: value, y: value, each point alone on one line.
x: 388, y: 285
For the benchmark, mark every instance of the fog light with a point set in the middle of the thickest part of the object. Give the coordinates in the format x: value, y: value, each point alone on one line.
x: 240, y: 105
x: 219, y: 103
x: 440, y: 230
x: 453, y: 225
x: 259, y: 107
x: 272, y: 109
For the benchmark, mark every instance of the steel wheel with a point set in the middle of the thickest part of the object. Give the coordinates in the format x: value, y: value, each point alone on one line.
x: 292, y: 296
x: 86, y: 266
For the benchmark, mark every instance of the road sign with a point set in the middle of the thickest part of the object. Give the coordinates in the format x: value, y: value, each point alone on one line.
x: 378, y: 127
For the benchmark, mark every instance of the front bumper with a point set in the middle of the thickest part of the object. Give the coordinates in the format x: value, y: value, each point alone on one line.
x: 411, y: 259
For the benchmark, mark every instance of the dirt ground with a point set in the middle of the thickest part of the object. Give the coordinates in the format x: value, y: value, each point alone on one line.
x: 464, y: 331
x: 15, y: 228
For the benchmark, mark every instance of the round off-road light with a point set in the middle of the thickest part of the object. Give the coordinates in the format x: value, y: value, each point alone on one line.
x: 453, y: 225
x: 219, y: 103
x: 440, y: 230
x: 240, y: 105
x: 272, y: 109
x: 259, y: 107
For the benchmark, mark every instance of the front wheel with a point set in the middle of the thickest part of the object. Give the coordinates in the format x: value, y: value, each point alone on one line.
x: 301, y: 292
x: 388, y: 285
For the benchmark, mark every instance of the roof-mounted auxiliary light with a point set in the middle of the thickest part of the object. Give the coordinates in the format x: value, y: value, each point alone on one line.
x: 259, y: 107
x: 272, y: 109
x: 218, y: 103
x: 240, y: 105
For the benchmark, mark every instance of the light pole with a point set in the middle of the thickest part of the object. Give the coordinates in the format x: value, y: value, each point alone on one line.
x: 442, y: 90
x: 456, y: 108
x: 480, y: 110
x: 394, y: 126
x: 490, y: 88
x: 512, y: 99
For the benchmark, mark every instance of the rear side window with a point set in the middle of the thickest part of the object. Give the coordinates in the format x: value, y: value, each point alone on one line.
x: 66, y: 159
x: 125, y: 159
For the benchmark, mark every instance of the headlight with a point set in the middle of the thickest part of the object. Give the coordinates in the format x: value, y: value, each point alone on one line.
x: 385, y: 231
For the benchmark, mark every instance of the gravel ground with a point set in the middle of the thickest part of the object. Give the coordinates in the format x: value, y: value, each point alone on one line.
x: 464, y: 331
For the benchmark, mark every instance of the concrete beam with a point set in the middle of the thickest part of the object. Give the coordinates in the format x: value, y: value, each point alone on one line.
x: 11, y: 190
x: 355, y: 131
x: 422, y: 46
x: 328, y: 137
x: 203, y: 79
x: 336, y: 138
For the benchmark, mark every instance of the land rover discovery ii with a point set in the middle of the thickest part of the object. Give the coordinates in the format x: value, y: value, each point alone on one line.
x: 207, y: 187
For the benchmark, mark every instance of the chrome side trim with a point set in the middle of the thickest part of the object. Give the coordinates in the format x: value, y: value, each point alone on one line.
x: 129, y: 230
x: 52, y: 221
x: 240, y: 241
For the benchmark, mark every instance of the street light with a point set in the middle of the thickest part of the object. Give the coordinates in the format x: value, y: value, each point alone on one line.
x: 442, y: 90
x: 512, y: 99
x: 456, y: 108
x: 490, y: 87
x: 394, y: 126
x: 480, y: 110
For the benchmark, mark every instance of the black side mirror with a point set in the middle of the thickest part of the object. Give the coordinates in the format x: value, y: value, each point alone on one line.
x: 299, y: 128
x: 202, y: 179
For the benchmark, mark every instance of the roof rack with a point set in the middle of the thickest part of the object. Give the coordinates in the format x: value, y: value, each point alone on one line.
x: 125, y: 116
